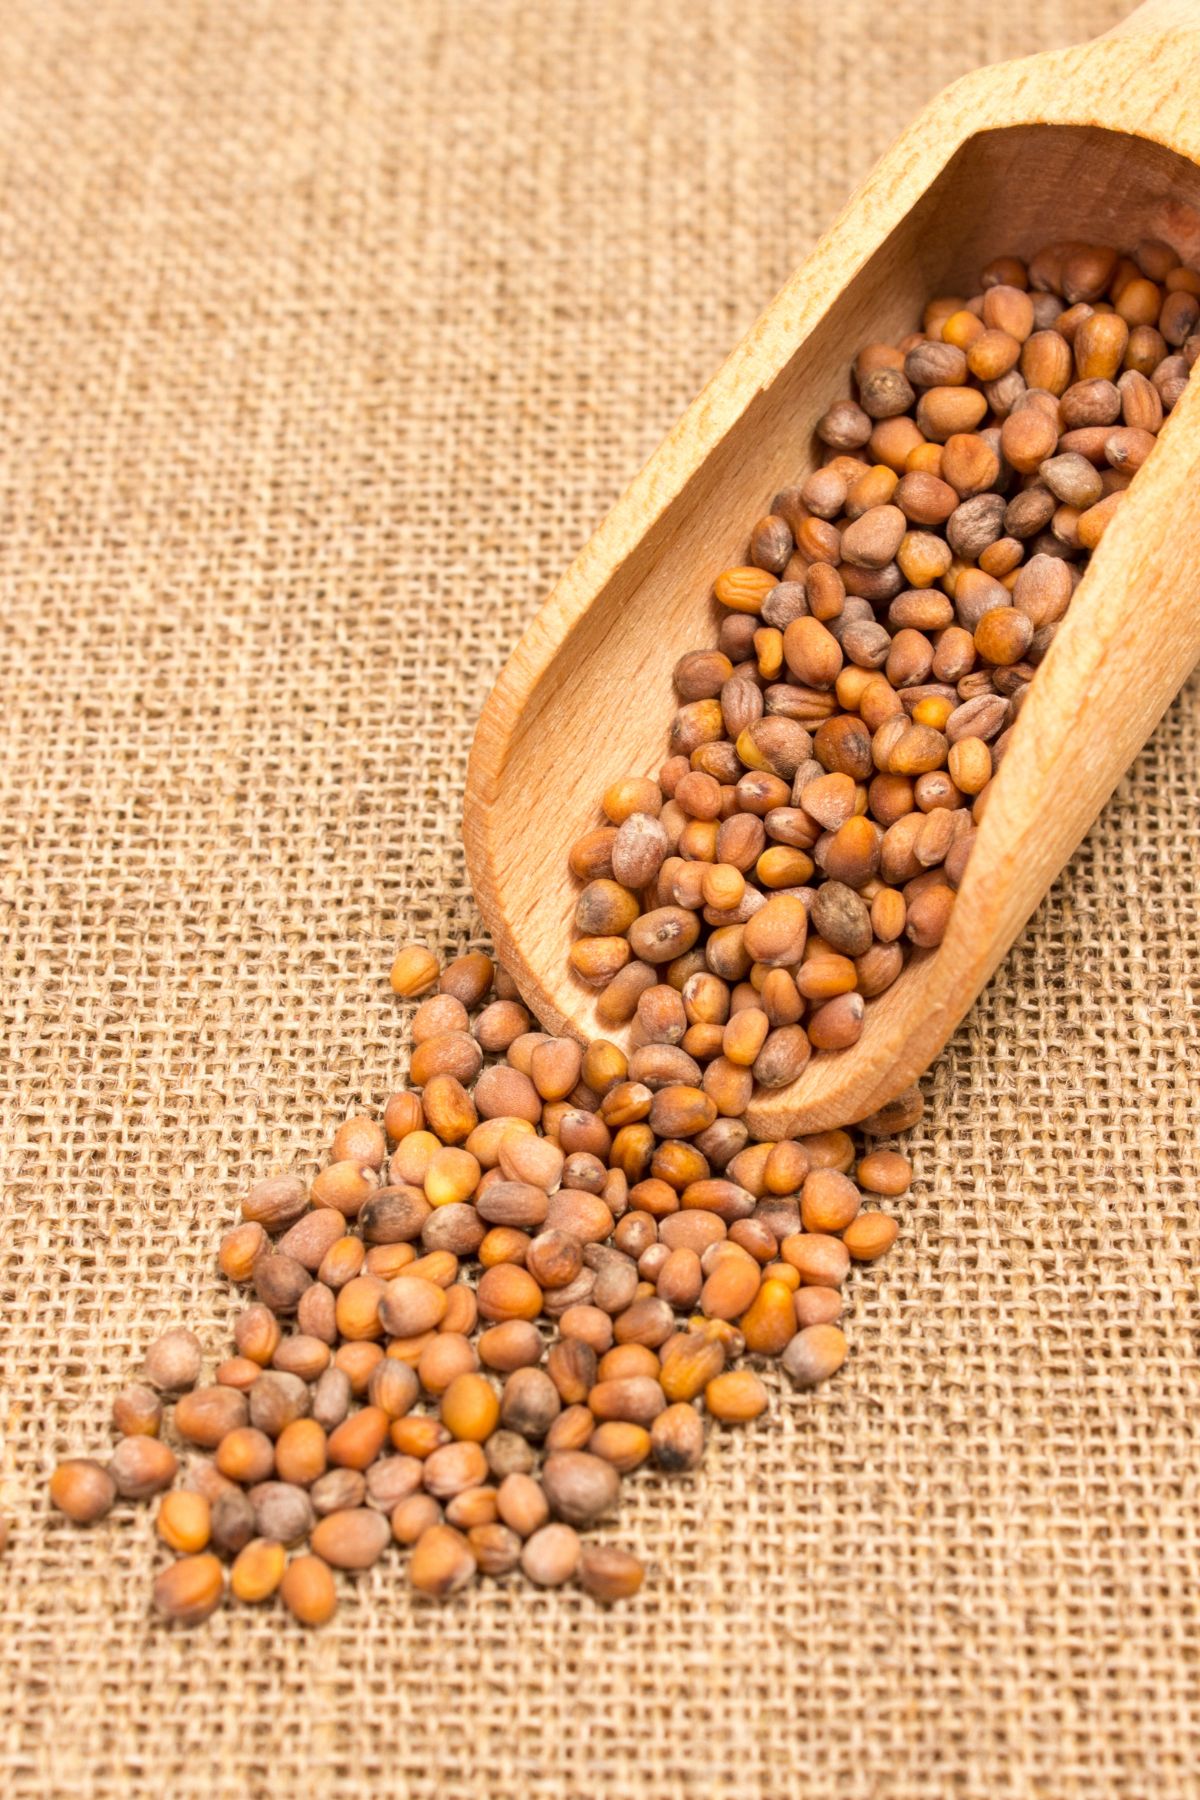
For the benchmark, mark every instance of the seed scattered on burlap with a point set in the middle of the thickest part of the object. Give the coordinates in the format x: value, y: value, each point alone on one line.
x: 514, y: 1325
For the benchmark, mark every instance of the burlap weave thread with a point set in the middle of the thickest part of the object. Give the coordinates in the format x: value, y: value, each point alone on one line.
x: 329, y: 330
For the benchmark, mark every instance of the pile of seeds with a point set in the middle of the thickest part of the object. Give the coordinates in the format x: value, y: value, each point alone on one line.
x: 832, y: 756
x: 463, y: 1344
x: 541, y: 1270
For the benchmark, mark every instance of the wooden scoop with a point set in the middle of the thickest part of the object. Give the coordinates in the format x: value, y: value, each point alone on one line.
x: 1101, y: 143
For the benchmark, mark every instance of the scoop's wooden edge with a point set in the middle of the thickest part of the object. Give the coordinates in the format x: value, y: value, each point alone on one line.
x: 1099, y: 84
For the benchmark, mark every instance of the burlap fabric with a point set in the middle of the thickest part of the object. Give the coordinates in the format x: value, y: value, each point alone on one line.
x: 329, y: 331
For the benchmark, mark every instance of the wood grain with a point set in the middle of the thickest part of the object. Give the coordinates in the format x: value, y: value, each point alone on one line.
x: 1100, y: 142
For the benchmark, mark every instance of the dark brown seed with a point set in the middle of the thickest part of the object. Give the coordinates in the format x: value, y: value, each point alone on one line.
x: 677, y: 1437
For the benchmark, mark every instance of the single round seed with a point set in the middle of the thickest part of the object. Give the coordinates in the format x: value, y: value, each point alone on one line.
x: 442, y: 1562
x: 142, y: 1466
x: 184, y: 1521
x: 307, y: 1590
x: 470, y: 1409
x: 551, y: 1556
x: 257, y: 1570
x: 869, y: 1236
x: 414, y: 970
x: 735, y: 1397
x: 83, y: 1489
x: 138, y: 1411
x: 351, y: 1540
x: 814, y: 1354
x: 190, y: 1590
x: 608, y: 1573
x: 173, y: 1361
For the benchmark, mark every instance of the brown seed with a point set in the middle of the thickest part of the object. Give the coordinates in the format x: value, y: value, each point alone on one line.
x: 814, y: 1354
x: 233, y: 1521
x: 141, y: 1466
x: 184, y: 1521
x: 274, y: 1204
x: 842, y: 918
x: 309, y: 1240
x: 735, y: 1397
x: 331, y: 1398
x: 551, y: 1556
x: 402, y: 1115
x: 410, y: 1305
x: 453, y: 1468
x: 137, y: 1411
x: 530, y: 1402
x: 357, y: 1441
x: 413, y: 1516
x: 442, y: 1562
x: 869, y: 1236
x: 279, y: 1281
x: 820, y: 1259
x: 337, y: 1490
x: 245, y: 1454
x: 769, y: 1323
x: 390, y: 1480
x: 307, y: 1590
x: 608, y: 1573
x: 394, y: 1216
x: 83, y: 1489
x: 468, y: 977
x: 190, y: 1590
x: 414, y: 971
x: 580, y: 1487
x: 280, y: 1511
x: 275, y: 1400
x: 522, y: 1504
x: 677, y: 1438
x: 173, y: 1361
x: 240, y: 1249
x: 817, y: 1305
x: 636, y: 1399
x: 257, y: 1570
x: 508, y: 1292
x: 351, y: 1540
x: 495, y: 1548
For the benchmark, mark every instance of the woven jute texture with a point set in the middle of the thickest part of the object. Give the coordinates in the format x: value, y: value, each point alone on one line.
x: 329, y: 330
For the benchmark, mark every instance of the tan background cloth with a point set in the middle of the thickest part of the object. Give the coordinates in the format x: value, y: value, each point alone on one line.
x: 329, y: 332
